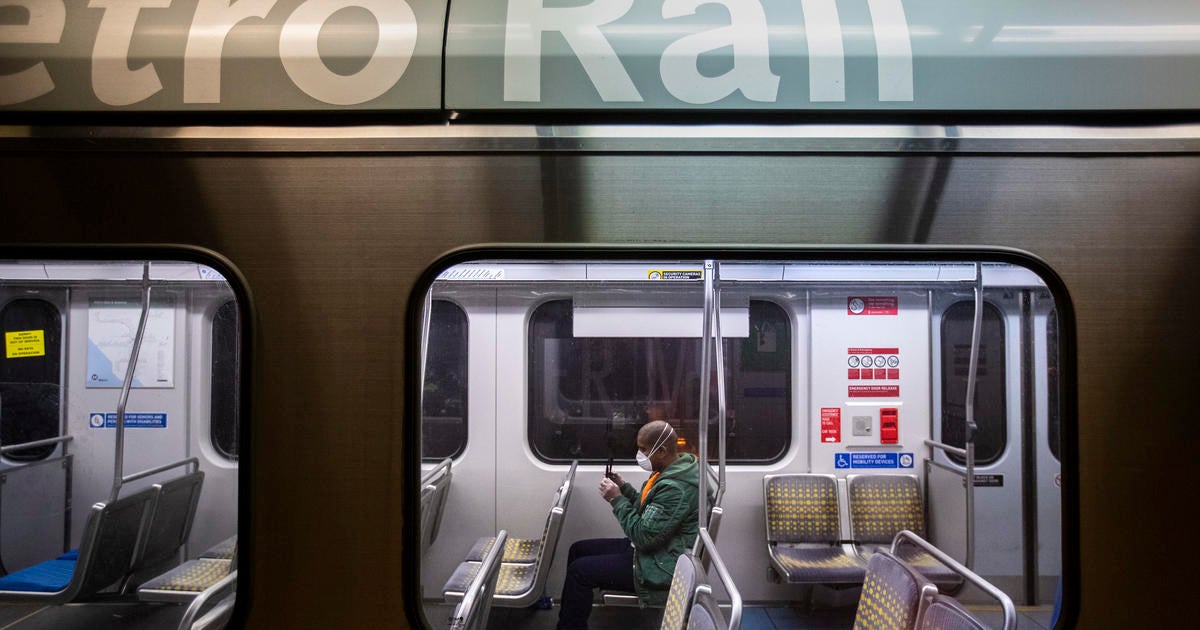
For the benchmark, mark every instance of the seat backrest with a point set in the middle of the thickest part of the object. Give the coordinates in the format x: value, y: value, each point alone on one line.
x: 112, y: 540
x: 945, y: 613
x: 801, y: 508
x: 435, y: 489
x: 881, y: 506
x: 893, y: 594
x: 472, y: 612
x: 705, y: 613
x: 554, y: 521
x: 679, y: 598
x: 171, y: 521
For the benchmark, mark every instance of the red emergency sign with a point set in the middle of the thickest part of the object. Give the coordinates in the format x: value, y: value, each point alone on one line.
x: 831, y: 424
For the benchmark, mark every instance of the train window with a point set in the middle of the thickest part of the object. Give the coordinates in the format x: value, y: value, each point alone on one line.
x: 121, y: 389
x: 990, y: 407
x: 225, y: 374
x: 1053, y: 419
x: 30, y: 376
x: 444, y: 399
x: 588, y: 395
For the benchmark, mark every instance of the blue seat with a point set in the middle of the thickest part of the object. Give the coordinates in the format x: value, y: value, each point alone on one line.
x: 112, y: 540
x: 48, y: 577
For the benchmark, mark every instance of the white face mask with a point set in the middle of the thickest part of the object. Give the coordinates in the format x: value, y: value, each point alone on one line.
x: 643, y: 460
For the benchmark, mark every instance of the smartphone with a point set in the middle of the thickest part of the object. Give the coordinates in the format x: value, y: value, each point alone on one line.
x: 608, y: 470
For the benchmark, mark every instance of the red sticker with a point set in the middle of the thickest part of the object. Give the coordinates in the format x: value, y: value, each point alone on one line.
x: 873, y: 351
x: 874, y: 391
x: 873, y: 305
x: 893, y: 374
x: 880, y: 374
x: 831, y: 424
x: 852, y: 374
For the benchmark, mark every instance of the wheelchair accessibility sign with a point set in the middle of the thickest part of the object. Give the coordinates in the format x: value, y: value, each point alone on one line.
x: 98, y: 420
x: 848, y: 461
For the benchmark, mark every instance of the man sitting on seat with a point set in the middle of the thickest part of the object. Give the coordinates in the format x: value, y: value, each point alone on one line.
x: 660, y: 522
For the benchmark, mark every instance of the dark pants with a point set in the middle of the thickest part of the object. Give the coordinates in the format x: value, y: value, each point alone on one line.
x: 605, y: 563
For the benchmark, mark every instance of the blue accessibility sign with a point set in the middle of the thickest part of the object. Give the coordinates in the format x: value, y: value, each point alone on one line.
x: 98, y: 420
x: 843, y: 461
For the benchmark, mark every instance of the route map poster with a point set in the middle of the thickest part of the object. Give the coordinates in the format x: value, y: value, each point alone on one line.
x: 112, y: 327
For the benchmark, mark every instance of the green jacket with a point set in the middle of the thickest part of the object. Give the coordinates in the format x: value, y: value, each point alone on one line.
x: 662, y: 528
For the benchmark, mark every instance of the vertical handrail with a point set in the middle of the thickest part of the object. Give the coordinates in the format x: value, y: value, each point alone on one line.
x: 119, y: 459
x: 705, y: 369
x: 971, y: 427
x: 719, y: 346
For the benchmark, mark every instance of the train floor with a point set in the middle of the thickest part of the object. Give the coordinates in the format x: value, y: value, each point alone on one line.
x: 753, y: 618
x: 117, y: 616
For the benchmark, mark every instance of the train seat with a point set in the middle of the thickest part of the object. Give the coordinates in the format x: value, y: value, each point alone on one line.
x: 894, y: 595
x: 521, y: 550
x: 223, y: 550
x: 478, y: 590
x: 683, y: 589
x: 945, y: 613
x: 170, y: 526
x: 881, y: 506
x: 519, y: 584
x: 804, y: 530
x: 112, y: 537
x: 187, y: 581
x: 435, y: 489
x: 706, y: 613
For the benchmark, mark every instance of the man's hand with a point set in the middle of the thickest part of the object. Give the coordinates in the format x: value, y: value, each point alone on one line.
x: 616, y: 477
x: 608, y: 489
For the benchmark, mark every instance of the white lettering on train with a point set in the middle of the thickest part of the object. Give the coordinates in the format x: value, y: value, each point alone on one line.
x: 580, y: 26
x: 206, y: 39
x: 393, y: 51
x: 47, y: 18
x: 112, y: 79
x: 746, y: 35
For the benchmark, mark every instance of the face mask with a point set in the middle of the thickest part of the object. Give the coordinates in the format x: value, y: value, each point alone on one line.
x: 643, y: 460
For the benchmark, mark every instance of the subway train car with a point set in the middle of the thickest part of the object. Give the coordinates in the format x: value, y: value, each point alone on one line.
x: 325, y: 155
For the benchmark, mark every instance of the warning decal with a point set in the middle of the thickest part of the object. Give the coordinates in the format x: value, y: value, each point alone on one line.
x: 874, y: 391
x: 873, y: 305
x: 831, y: 424
x: 675, y: 274
x: 25, y: 343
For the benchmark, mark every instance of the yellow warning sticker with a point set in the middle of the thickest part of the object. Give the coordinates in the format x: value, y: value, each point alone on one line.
x: 25, y: 343
x: 675, y: 274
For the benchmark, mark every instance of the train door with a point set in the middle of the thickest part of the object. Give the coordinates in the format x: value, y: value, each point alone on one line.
x: 1048, y: 469
x: 999, y: 516
x: 459, y: 422
x: 34, y: 482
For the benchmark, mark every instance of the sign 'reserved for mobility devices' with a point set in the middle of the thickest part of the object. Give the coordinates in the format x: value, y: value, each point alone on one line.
x: 387, y: 55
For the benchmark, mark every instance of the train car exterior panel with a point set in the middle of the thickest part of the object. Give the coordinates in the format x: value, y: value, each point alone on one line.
x: 331, y: 244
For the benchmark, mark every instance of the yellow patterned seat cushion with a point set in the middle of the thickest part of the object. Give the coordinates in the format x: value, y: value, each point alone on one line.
x: 519, y: 550
x: 802, y: 508
x: 823, y: 565
x: 890, y: 596
x: 513, y: 579
x: 193, y: 576
x: 883, y: 505
x: 223, y: 549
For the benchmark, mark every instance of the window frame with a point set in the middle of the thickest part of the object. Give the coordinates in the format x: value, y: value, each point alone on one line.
x: 214, y: 386
x: 787, y: 404
x: 989, y: 308
x: 466, y: 371
x: 42, y: 452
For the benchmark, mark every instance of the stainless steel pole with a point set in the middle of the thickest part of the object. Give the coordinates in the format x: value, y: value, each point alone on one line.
x: 119, y: 456
x: 969, y: 432
x: 705, y: 368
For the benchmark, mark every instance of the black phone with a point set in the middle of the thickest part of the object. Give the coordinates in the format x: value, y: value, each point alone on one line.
x: 608, y: 470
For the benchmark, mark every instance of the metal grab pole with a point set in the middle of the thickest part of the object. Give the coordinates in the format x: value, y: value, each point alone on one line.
x: 969, y: 433
x: 705, y: 368
x: 426, y: 315
x: 719, y: 344
x: 119, y: 458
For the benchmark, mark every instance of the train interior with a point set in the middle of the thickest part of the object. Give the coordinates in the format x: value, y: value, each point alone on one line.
x: 843, y: 412
x: 119, y: 436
